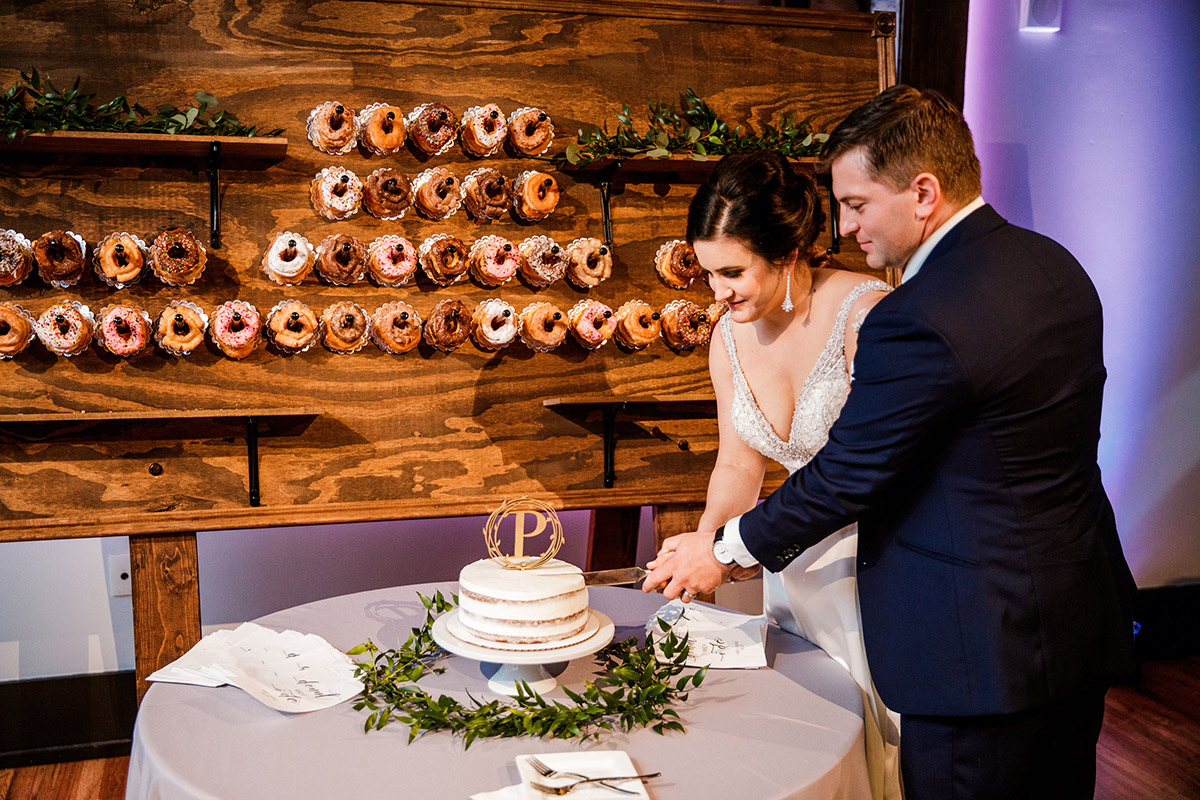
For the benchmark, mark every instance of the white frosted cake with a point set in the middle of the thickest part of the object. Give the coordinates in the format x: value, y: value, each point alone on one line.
x: 542, y: 605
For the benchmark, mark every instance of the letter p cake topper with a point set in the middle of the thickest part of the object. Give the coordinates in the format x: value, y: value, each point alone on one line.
x: 531, y: 518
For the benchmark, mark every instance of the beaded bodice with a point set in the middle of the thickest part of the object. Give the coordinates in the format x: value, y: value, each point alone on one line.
x: 820, y: 401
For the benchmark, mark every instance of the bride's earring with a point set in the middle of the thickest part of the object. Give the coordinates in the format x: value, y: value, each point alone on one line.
x: 787, y: 295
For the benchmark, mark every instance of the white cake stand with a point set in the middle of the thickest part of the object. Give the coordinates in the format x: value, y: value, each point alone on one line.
x: 527, y: 663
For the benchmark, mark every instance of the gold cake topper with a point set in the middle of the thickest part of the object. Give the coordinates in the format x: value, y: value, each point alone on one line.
x: 520, y: 509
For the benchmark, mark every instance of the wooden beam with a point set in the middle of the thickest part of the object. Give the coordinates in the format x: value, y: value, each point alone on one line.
x: 166, y: 600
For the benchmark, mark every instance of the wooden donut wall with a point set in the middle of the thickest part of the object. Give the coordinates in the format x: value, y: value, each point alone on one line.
x: 157, y: 447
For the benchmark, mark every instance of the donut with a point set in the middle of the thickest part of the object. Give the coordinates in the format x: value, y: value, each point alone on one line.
x: 119, y: 258
x: 483, y: 130
x: 677, y: 264
x: 180, y: 327
x: 589, y: 263
x: 543, y: 261
x: 448, y: 326
x: 432, y: 128
x: 530, y: 131
x: 591, y: 323
x: 345, y: 327
x: 289, y: 259
x: 436, y: 193
x: 494, y: 260
x: 396, y: 327
x: 685, y: 325
x: 341, y: 259
x: 292, y: 326
x: 535, y: 195
x: 380, y: 129
x: 123, y: 330
x: 486, y: 194
x: 336, y: 193
x: 387, y: 194
x: 493, y: 325
x: 65, y: 328
x: 16, y: 329
x: 177, y: 258
x: 444, y: 258
x: 236, y: 328
x: 637, y: 324
x: 715, y: 311
x: 16, y: 258
x: 331, y: 128
x: 392, y: 260
x: 60, y: 257
x: 542, y: 326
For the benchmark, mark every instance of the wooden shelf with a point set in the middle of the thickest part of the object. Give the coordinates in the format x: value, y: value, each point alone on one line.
x: 266, y: 148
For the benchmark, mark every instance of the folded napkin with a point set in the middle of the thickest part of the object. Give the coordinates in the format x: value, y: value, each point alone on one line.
x: 717, y: 639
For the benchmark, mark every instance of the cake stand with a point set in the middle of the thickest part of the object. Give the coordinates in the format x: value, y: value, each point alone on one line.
x: 524, y: 662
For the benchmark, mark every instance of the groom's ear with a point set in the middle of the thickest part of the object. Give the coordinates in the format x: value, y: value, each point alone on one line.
x: 928, y: 191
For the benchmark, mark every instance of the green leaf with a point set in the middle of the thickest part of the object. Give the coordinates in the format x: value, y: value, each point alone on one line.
x: 206, y: 99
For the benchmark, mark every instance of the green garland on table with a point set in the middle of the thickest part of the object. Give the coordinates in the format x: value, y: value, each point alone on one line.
x: 635, y: 691
x: 34, y: 105
x: 695, y: 130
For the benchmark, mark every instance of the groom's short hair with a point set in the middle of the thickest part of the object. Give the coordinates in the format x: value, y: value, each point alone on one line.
x: 904, y: 132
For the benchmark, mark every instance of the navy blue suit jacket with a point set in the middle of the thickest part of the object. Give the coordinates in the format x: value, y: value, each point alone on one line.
x: 990, y: 574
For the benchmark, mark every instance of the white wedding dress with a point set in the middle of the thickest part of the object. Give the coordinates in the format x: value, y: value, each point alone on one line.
x: 816, y: 595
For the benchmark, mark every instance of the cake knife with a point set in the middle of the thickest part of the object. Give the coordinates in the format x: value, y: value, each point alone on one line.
x: 614, y: 577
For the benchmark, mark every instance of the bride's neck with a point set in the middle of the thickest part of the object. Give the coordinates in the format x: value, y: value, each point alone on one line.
x: 776, y: 320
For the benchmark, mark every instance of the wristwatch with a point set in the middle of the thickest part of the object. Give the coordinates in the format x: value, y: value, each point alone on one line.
x: 721, y: 549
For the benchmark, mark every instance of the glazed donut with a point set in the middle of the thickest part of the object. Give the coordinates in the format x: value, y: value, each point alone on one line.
x: 177, y: 258
x: 289, y: 259
x: 494, y: 260
x: 530, y: 131
x: 444, y: 258
x: 432, y: 128
x: 60, y: 257
x: 591, y: 322
x: 493, y: 325
x: 396, y: 327
x: 637, y: 324
x: 119, y: 258
x: 380, y: 129
x: 236, y: 328
x: 292, y: 326
x: 387, y: 194
x: 16, y: 258
x: 123, y: 330
x: 392, y: 260
x: 483, y: 130
x: 486, y: 194
x: 715, y: 311
x: 677, y: 264
x: 685, y: 325
x: 542, y: 326
x: 65, y: 328
x: 449, y: 325
x: 535, y: 196
x: 436, y: 193
x: 331, y: 128
x: 336, y: 193
x: 16, y: 329
x: 543, y: 261
x: 345, y: 327
x: 341, y: 259
x: 180, y: 327
x: 589, y: 263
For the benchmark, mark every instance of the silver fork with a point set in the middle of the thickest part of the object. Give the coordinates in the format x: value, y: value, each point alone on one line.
x: 567, y: 787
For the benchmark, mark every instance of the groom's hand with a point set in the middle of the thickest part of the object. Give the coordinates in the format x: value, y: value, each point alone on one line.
x: 686, y: 563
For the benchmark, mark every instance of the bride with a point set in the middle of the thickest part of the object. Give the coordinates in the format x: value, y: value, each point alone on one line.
x: 780, y: 371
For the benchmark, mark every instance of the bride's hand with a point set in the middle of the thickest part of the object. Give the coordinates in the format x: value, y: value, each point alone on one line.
x: 686, y: 567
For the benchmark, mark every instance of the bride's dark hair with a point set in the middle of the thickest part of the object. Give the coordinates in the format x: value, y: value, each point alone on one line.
x: 756, y: 197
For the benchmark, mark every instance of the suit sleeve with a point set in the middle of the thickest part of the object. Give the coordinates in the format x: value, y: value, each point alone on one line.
x: 908, y: 385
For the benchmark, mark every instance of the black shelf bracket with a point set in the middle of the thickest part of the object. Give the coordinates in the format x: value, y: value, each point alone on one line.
x: 606, y: 201
x: 834, y: 228
x: 252, y: 458
x: 610, y: 443
x: 214, y: 196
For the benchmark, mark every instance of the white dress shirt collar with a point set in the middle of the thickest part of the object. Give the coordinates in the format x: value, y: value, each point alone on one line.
x: 918, y: 258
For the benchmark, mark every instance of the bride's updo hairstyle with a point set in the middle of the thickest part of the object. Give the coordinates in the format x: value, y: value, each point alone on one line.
x: 756, y: 197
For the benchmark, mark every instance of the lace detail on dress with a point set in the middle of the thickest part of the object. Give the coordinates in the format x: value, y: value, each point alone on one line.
x: 820, y: 401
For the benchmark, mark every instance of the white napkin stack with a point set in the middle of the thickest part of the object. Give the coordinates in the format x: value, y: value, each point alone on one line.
x: 717, y: 639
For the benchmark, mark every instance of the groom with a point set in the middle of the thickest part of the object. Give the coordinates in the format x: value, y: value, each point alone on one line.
x: 995, y: 596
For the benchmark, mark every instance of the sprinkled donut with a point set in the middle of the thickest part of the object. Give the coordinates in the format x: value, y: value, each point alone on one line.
x: 483, y: 130
x: 123, y: 330
x: 543, y: 261
x: 176, y: 257
x: 65, y: 328
x: 432, y: 128
x: 16, y: 258
x: 591, y: 322
x: 236, y: 328
x: 392, y: 260
x: 685, y: 325
x: 336, y: 193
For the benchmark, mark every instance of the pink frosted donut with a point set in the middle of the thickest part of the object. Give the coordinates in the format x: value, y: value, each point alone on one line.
x: 124, y: 330
x: 236, y: 328
x: 392, y: 260
x: 483, y: 130
x: 494, y: 260
x: 337, y: 193
x: 592, y: 323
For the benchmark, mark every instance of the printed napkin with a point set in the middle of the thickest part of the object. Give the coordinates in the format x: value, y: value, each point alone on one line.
x: 717, y: 639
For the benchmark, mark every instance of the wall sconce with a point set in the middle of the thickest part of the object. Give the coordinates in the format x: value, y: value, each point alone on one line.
x: 1041, y: 16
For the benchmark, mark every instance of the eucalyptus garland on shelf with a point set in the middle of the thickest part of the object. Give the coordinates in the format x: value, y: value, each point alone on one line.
x: 694, y: 130
x: 34, y: 105
x: 635, y: 691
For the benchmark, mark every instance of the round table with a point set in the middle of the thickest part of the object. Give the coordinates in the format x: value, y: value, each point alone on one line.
x: 793, y: 730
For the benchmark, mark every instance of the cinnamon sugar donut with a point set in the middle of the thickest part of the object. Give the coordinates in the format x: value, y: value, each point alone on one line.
x: 341, y: 259
x: 589, y: 263
x: 392, y: 260
x: 436, y: 193
x: 530, y: 131
x: 289, y: 259
x: 637, y: 324
x: 591, y: 323
x: 180, y: 327
x: 16, y: 258
x: 677, y: 264
x: 292, y: 326
x: 380, y: 129
x: 16, y: 329
x: 60, y: 257
x: 535, y: 195
x: 543, y: 261
x: 444, y: 258
x: 65, y: 328
x: 345, y: 327
x: 119, y: 258
x: 432, y: 128
x: 236, y: 328
x: 483, y: 130
x: 177, y: 257
x: 396, y: 327
x: 331, y: 128
x: 449, y: 325
x: 387, y: 194
x: 685, y: 325
x: 542, y: 326
x: 487, y: 194
x: 123, y: 330
x: 494, y: 260
x: 493, y: 325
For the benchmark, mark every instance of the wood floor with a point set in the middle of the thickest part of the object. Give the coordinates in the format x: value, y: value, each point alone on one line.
x: 1149, y: 748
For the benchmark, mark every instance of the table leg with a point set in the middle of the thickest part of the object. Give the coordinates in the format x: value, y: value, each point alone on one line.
x: 166, y: 600
x: 613, y: 537
x: 670, y: 520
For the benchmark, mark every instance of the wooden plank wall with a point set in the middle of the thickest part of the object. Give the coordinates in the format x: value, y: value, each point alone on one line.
x: 425, y: 434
